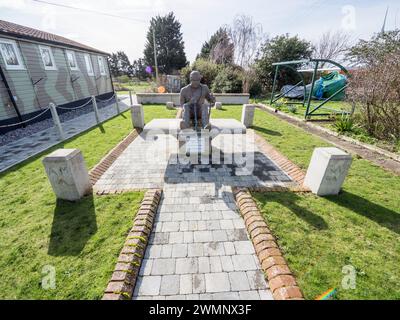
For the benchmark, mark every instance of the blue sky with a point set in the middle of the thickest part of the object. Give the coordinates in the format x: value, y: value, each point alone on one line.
x: 200, y: 18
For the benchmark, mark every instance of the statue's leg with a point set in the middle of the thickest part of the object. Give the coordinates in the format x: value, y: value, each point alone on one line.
x: 204, y: 115
x: 186, y: 115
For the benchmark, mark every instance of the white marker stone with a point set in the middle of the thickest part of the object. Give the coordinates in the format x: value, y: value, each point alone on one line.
x: 66, y: 170
x: 327, y: 171
x: 137, y: 114
x: 248, y: 115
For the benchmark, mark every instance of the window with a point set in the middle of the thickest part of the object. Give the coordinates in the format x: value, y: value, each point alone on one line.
x: 102, y: 66
x: 47, y: 58
x: 89, y: 66
x: 72, y: 61
x: 11, y: 55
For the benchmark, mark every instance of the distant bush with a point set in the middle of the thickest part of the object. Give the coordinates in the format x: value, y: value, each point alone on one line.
x: 209, y: 70
x: 228, y: 80
x: 123, y: 79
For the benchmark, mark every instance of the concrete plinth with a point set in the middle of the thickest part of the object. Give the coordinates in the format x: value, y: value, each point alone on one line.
x: 68, y: 175
x: 170, y: 106
x: 194, y: 147
x: 327, y: 171
x: 248, y: 115
x: 218, y: 105
x: 137, y: 114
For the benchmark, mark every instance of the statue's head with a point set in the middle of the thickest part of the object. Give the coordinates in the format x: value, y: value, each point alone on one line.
x: 195, y: 78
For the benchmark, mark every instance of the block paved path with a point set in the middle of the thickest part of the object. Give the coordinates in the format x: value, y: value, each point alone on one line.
x: 199, y: 249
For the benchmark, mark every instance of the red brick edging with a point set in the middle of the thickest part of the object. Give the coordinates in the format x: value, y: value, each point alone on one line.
x: 281, y: 280
x: 291, y: 169
x: 126, y: 271
x: 105, y: 163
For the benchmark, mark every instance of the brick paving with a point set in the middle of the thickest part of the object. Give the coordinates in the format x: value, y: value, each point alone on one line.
x: 199, y: 247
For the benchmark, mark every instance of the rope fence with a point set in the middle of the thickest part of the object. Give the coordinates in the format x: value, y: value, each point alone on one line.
x: 105, y: 101
x: 26, y: 121
x: 75, y: 108
x: 56, y: 119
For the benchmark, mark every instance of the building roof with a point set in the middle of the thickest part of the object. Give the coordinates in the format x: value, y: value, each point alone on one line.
x: 22, y: 32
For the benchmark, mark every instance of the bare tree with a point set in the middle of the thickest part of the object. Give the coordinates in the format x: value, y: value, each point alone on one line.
x: 223, y: 50
x: 247, y: 37
x: 332, y: 46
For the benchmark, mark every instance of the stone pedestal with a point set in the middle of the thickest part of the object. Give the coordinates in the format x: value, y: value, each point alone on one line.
x: 67, y: 173
x: 194, y: 147
x: 248, y: 115
x: 218, y: 105
x: 137, y: 114
x: 327, y: 171
x: 170, y: 106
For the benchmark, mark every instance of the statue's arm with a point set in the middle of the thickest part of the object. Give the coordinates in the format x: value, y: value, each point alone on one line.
x: 182, y: 98
x: 210, y: 98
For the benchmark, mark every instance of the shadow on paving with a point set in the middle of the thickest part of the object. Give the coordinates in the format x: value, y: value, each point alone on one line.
x: 74, y: 223
x: 385, y: 217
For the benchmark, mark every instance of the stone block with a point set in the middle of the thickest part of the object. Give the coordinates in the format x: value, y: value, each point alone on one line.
x: 137, y: 114
x: 248, y: 115
x: 218, y: 105
x: 170, y: 106
x: 68, y: 175
x: 327, y: 171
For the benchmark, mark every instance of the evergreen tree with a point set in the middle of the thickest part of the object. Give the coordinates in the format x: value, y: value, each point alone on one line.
x: 281, y: 48
x: 219, y: 48
x: 170, y: 47
x: 113, y: 60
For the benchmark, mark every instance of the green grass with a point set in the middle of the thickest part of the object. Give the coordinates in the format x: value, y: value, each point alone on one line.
x: 319, y: 236
x: 80, y: 240
x: 141, y: 87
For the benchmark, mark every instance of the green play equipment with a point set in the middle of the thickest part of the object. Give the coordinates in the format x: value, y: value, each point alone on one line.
x: 330, y: 87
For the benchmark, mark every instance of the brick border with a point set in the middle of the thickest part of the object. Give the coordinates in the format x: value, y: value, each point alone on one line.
x: 291, y: 169
x: 105, y: 163
x: 126, y: 271
x: 281, y: 280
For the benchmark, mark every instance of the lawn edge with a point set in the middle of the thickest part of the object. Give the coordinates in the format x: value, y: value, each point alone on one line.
x: 105, y: 163
x: 281, y: 280
x: 285, y: 164
x: 282, y: 115
x: 126, y: 271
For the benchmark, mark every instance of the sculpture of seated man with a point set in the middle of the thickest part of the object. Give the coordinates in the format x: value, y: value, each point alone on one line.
x: 193, y: 100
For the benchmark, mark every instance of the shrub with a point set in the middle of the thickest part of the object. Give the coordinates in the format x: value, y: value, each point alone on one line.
x: 208, y: 70
x: 375, y: 91
x: 292, y: 108
x: 228, y: 80
x: 344, y: 124
x: 123, y: 79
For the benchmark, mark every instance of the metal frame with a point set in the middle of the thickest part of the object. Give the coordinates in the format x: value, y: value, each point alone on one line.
x: 310, y: 110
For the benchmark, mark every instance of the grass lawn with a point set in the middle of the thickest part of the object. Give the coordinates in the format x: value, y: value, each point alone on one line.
x: 135, y: 87
x: 358, y: 133
x: 80, y: 240
x: 319, y: 236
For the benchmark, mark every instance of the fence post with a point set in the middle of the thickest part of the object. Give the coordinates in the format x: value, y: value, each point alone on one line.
x: 130, y: 97
x: 96, y: 110
x: 56, y: 120
x: 116, y: 103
